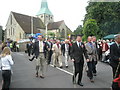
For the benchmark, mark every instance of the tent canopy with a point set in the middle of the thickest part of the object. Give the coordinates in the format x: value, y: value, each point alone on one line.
x: 111, y: 36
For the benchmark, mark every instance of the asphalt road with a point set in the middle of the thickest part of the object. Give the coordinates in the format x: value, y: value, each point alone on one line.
x: 24, y: 75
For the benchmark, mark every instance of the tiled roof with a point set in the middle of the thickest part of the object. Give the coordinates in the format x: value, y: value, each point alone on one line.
x: 55, y: 25
x: 25, y: 22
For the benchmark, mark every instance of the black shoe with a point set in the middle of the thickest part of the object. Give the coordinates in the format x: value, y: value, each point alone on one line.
x: 54, y: 66
x: 42, y: 77
x: 66, y: 66
x: 73, y: 80
x: 48, y: 63
x: 30, y: 59
x: 91, y: 80
x: 81, y: 84
x: 60, y: 67
x: 94, y: 74
x: 36, y: 74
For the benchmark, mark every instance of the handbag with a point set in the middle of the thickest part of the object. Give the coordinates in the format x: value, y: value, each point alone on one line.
x: 116, y: 80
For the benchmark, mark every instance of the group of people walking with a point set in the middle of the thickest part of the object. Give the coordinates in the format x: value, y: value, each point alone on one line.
x: 42, y: 51
x: 78, y: 52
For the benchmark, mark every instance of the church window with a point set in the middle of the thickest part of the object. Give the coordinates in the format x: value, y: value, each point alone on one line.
x: 42, y: 16
x: 11, y: 31
x: 51, y: 17
x: 11, y: 20
x: 62, y: 33
x: 23, y: 35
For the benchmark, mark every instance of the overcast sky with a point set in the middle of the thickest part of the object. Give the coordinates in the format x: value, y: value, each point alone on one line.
x: 71, y: 11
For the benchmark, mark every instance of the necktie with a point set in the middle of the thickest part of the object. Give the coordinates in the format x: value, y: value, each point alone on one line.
x: 58, y: 45
x: 79, y: 44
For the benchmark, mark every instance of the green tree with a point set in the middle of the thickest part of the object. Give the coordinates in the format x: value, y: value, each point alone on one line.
x: 78, y: 30
x: 90, y: 28
x: 51, y: 34
x: 107, y: 16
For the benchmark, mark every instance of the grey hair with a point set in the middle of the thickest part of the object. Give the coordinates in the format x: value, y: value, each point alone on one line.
x: 117, y: 37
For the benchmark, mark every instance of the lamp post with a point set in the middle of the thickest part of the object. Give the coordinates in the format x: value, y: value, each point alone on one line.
x: 46, y: 28
x: 31, y: 25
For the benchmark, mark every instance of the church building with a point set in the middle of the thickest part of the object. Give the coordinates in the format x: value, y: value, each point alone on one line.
x: 20, y: 26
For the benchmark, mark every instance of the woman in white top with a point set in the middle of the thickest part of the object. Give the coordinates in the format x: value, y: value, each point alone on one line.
x: 6, y: 62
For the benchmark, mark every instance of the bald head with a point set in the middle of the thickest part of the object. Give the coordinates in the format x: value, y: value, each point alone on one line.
x: 89, y: 38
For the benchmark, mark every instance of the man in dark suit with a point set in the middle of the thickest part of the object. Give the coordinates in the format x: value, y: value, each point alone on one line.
x: 115, y: 55
x: 39, y: 48
x: 29, y: 47
x: 77, y: 51
x: 50, y: 52
x: 65, y: 48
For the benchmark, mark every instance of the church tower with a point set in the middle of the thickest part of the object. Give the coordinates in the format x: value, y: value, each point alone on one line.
x: 44, y: 13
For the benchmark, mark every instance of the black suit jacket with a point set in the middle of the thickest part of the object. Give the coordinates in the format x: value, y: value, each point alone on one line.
x: 63, y: 49
x: 50, y: 46
x: 76, y: 52
x: 29, y: 47
x: 36, y: 48
x: 114, y: 55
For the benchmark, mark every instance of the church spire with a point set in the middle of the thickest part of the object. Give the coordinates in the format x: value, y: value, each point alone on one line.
x: 44, y: 8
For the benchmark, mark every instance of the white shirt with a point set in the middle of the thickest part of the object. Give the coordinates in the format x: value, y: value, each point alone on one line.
x: 6, y: 62
x: 66, y: 47
x: 78, y: 43
x: 41, y: 45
